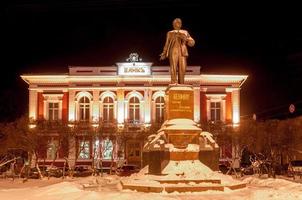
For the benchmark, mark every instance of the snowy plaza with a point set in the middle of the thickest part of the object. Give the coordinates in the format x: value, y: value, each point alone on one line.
x: 149, y: 100
x: 108, y: 187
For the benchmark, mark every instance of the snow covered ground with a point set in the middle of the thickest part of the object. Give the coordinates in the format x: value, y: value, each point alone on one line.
x: 109, y: 188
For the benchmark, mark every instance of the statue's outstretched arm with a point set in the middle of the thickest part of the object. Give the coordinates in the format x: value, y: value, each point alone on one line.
x: 163, y: 55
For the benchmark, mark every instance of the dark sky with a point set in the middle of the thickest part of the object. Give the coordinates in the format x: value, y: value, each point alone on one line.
x: 263, y: 41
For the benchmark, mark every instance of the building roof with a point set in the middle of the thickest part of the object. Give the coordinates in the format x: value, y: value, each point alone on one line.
x: 134, y: 73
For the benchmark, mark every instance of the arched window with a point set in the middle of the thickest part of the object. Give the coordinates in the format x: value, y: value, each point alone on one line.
x: 108, y: 109
x: 134, y: 110
x: 159, y: 109
x: 84, y: 104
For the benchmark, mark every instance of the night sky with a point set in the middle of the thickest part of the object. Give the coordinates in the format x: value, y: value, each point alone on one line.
x: 262, y: 41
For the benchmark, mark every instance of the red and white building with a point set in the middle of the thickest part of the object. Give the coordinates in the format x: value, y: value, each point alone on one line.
x: 127, y: 98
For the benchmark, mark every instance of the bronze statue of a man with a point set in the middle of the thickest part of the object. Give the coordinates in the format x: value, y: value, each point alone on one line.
x: 176, y: 50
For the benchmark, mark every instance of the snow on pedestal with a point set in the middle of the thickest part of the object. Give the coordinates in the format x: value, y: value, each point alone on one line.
x: 176, y: 151
x: 178, y: 144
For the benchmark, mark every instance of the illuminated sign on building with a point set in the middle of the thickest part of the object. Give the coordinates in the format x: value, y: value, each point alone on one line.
x: 134, y: 67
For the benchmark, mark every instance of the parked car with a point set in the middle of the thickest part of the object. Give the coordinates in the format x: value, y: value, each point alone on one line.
x: 82, y: 171
x: 33, y: 172
x: 56, y: 171
x: 127, y: 170
x: 295, y: 168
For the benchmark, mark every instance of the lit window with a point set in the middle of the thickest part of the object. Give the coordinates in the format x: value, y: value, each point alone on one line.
x: 52, y: 149
x: 84, y: 148
x: 53, y: 111
x: 159, y: 105
x: 134, y: 110
x: 108, y: 109
x: 107, y: 148
x: 84, y: 104
x: 215, y: 111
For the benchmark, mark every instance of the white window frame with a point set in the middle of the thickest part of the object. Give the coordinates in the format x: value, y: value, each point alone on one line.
x: 53, y: 111
x: 135, y: 106
x: 215, y: 108
x: 104, y: 148
x: 52, y: 98
x: 216, y: 98
x: 108, y: 106
x: 85, y: 150
x: 137, y: 94
x: 85, y: 105
x: 78, y: 97
x: 102, y: 98
x: 161, y: 106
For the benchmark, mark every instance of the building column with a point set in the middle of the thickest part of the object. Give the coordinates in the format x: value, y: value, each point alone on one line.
x: 121, y: 115
x: 126, y: 110
x: 40, y: 106
x: 236, y: 105
x: 65, y: 107
x: 46, y: 109
x: 148, y: 99
x: 33, y: 107
x: 95, y: 106
x: 153, y: 110
x: 71, y: 106
x: 228, y: 106
x: 223, y: 110
x: 208, y: 108
x: 142, y: 111
x: 115, y: 114
x: 197, y: 104
x: 203, y: 106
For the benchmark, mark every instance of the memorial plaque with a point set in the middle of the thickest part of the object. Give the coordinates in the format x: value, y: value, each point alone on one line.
x: 180, y: 104
x: 181, y: 140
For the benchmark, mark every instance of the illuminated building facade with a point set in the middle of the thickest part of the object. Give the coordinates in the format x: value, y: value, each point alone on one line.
x: 123, y: 103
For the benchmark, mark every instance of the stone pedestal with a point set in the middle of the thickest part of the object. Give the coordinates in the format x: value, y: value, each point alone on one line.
x: 179, y: 102
x: 180, y: 153
x: 180, y: 138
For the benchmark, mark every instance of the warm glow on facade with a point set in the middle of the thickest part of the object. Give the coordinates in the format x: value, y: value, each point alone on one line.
x: 128, y: 99
x: 31, y: 126
x: 236, y: 105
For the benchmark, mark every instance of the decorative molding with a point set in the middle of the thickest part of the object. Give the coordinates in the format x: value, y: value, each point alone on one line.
x: 134, y: 57
x: 53, y: 97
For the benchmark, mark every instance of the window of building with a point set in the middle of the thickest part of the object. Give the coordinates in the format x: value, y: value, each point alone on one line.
x: 159, y: 106
x: 108, y: 105
x: 215, y: 111
x: 134, y: 110
x: 133, y: 150
x: 107, y: 149
x: 84, y: 104
x: 53, y: 111
x: 52, y: 149
x: 84, y: 149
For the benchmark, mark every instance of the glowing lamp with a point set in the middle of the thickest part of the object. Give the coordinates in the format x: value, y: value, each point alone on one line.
x: 31, y: 126
x: 236, y: 118
x: 95, y: 125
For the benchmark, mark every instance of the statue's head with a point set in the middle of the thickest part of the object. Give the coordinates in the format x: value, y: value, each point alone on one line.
x: 177, y: 23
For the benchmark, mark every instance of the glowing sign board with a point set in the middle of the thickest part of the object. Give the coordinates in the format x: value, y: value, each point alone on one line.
x: 134, y: 69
